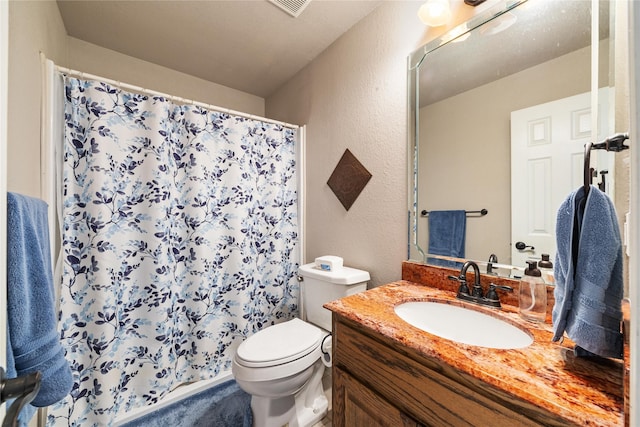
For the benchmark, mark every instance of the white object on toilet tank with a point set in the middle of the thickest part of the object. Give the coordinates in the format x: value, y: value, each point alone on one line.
x: 320, y: 286
x: 329, y: 263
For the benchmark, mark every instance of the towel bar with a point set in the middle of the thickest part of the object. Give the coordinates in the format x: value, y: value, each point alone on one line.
x: 481, y: 212
x: 24, y: 389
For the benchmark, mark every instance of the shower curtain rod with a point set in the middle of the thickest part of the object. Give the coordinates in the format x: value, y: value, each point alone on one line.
x: 139, y: 89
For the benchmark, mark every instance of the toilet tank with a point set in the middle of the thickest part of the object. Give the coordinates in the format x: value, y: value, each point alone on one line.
x: 319, y: 287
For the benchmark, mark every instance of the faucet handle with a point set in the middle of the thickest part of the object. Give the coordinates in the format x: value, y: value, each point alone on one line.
x: 493, y: 295
x: 463, y: 289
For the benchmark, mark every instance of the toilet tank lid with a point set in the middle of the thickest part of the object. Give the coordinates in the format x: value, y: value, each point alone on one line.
x: 342, y: 276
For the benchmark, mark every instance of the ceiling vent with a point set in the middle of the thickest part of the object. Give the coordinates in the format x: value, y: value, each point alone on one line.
x: 292, y: 7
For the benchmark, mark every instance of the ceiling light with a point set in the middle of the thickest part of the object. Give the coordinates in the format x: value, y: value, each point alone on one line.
x: 435, y: 12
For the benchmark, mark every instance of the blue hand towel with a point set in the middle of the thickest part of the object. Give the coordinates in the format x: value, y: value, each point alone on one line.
x: 588, y: 272
x: 447, y: 234
x: 33, y: 341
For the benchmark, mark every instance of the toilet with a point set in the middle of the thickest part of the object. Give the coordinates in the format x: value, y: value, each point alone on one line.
x: 282, y: 366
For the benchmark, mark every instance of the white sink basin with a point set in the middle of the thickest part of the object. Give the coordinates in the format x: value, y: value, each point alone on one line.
x: 463, y: 325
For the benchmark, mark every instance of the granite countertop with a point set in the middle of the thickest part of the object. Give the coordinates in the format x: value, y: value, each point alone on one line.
x: 546, y: 374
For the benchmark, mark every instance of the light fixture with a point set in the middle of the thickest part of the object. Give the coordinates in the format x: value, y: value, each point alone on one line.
x: 435, y: 12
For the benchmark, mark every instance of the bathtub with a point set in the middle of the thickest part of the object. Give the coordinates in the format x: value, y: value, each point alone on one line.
x: 175, y: 396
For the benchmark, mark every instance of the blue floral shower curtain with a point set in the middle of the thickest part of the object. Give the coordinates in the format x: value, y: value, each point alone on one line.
x: 180, y: 238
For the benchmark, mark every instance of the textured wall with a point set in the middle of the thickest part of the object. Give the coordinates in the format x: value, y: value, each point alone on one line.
x: 107, y: 63
x: 354, y: 95
x: 34, y: 27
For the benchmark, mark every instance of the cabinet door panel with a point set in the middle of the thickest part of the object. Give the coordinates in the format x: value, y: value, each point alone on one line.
x: 363, y: 407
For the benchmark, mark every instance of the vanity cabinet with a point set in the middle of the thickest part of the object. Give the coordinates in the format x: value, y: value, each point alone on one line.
x: 377, y: 382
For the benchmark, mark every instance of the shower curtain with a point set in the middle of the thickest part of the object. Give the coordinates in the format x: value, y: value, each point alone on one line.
x: 179, y: 239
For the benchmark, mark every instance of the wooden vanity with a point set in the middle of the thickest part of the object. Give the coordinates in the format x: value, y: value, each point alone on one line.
x: 389, y: 373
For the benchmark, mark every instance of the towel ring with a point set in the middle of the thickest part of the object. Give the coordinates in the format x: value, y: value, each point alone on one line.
x: 613, y: 143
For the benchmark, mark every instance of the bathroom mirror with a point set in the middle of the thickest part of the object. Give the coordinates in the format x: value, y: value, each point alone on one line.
x: 463, y: 89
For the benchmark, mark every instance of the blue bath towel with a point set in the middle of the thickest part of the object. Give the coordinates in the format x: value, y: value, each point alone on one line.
x: 33, y: 342
x: 588, y: 272
x: 447, y: 234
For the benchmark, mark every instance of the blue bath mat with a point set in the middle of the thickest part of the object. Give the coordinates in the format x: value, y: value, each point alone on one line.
x: 224, y: 405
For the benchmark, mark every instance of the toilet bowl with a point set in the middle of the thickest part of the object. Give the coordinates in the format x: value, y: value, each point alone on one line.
x: 282, y: 365
x: 281, y: 368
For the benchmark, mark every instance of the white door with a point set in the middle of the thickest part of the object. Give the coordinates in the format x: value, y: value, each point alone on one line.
x: 547, y: 163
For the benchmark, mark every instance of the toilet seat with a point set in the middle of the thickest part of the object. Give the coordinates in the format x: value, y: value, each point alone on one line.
x: 279, y: 344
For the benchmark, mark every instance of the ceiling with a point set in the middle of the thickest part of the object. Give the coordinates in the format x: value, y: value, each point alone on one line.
x: 249, y: 45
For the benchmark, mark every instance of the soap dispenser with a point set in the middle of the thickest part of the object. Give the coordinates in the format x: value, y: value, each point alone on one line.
x: 546, y: 268
x: 533, y: 294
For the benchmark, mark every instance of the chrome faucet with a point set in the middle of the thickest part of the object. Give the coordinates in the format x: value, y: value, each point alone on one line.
x: 476, y: 294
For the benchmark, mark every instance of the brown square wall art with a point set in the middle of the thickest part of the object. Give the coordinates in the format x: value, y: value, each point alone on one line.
x: 348, y: 179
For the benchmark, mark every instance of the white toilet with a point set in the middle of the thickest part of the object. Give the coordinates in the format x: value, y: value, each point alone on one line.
x: 282, y: 366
